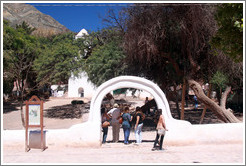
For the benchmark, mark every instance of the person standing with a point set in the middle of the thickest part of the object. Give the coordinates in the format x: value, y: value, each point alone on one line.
x: 161, y: 130
x: 196, y: 102
x: 105, y: 118
x: 126, y: 124
x: 148, y: 109
x: 110, y: 98
x: 114, y: 113
x: 139, y: 124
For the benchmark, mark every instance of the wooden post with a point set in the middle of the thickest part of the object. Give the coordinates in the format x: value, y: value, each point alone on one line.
x: 183, y: 100
x: 42, y: 126
x: 26, y: 126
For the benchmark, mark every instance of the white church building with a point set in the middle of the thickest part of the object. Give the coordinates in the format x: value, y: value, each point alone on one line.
x: 80, y: 86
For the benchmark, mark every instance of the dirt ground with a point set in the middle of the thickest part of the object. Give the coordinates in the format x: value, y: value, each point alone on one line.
x: 12, y: 119
x: 117, y: 153
x: 120, y: 153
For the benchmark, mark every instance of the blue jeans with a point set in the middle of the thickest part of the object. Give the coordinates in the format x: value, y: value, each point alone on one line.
x: 138, y: 133
x: 105, y: 133
x: 126, y: 135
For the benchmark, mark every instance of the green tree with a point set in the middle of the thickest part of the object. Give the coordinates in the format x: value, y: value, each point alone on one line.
x: 59, y: 58
x: 167, y: 41
x: 20, y: 50
x: 26, y: 27
x: 229, y: 37
x: 221, y: 81
x: 107, y: 58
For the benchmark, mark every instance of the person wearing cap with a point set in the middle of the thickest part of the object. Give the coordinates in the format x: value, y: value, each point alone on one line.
x: 115, y: 114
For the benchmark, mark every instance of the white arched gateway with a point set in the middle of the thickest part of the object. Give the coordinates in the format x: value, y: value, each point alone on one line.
x: 93, y: 125
x: 180, y: 132
x: 93, y: 131
x: 128, y: 82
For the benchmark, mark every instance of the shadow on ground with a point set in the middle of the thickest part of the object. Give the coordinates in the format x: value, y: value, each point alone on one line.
x: 68, y: 111
x: 131, y: 141
x: 10, y: 106
x: 14, y: 105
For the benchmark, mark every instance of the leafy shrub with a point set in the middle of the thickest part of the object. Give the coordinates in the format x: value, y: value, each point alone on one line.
x: 74, y: 102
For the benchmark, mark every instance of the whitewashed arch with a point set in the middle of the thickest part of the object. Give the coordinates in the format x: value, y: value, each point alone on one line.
x: 131, y: 82
x: 128, y: 82
x: 90, y: 131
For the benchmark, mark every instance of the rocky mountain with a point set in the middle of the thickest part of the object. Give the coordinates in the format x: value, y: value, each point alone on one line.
x: 45, y: 25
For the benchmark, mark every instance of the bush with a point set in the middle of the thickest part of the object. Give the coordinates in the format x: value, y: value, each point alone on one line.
x: 74, y: 102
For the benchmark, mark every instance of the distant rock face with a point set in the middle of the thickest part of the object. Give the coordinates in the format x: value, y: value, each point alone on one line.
x: 16, y: 13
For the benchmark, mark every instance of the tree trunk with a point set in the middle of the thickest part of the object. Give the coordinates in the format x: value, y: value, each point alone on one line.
x: 221, y: 112
x: 177, y: 102
x: 177, y: 107
x: 183, y: 100
x: 21, y: 88
x: 205, y: 108
x: 21, y: 110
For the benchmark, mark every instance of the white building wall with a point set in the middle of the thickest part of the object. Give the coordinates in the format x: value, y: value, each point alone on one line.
x: 74, y: 83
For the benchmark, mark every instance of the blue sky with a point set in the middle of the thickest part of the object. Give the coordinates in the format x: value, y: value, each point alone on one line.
x: 76, y: 16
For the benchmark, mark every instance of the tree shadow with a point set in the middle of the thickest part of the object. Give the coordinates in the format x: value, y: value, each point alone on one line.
x: 132, y: 141
x: 120, y: 101
x: 125, y: 102
x: 68, y: 111
x: 149, y: 124
x: 10, y: 106
x: 14, y: 105
x: 194, y: 116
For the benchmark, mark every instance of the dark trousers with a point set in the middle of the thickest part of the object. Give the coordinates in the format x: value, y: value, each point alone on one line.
x: 105, y: 133
x: 156, y: 140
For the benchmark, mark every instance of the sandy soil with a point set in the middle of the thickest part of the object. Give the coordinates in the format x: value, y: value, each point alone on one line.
x: 114, y: 152
x: 12, y: 120
x: 120, y: 153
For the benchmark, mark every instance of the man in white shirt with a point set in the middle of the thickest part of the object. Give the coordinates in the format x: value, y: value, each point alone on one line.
x: 115, y: 114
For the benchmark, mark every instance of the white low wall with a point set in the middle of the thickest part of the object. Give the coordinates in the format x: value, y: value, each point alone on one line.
x: 89, y: 133
x: 83, y: 135
x: 206, y: 134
